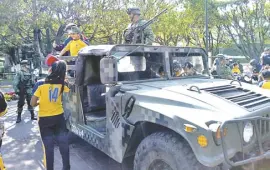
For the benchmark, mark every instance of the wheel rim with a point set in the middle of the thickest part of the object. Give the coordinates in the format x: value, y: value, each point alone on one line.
x: 159, y: 165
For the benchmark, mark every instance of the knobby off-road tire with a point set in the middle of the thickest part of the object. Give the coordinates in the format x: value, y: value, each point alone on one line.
x: 166, y: 151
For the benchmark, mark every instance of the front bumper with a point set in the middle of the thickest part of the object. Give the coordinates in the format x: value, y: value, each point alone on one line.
x: 258, y: 147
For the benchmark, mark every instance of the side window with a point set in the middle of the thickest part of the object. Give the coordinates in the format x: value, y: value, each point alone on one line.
x: 140, y: 66
x: 131, y: 64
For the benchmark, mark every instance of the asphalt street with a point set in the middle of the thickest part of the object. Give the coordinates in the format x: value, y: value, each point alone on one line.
x: 22, y: 148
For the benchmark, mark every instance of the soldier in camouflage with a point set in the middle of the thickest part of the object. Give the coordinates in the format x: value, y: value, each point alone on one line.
x: 223, y: 70
x: 23, y: 84
x: 136, y: 21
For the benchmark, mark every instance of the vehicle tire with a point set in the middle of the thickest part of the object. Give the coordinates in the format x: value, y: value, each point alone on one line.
x: 166, y: 151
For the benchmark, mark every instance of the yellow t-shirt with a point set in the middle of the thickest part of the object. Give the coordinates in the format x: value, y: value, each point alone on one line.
x: 74, y: 47
x: 50, y: 100
x: 266, y: 85
x: 236, y: 70
x: 3, y: 113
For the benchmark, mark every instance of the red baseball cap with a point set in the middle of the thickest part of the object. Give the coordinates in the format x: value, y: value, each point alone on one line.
x: 50, y: 59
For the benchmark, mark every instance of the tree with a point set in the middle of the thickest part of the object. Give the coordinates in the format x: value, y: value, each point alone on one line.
x: 247, y: 24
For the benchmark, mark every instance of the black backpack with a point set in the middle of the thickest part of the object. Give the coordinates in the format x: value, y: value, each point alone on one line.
x: 3, y: 103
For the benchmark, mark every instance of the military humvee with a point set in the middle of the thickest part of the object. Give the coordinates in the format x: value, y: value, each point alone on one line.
x: 124, y: 100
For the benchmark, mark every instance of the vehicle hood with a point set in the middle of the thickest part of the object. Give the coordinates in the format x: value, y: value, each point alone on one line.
x: 173, y: 98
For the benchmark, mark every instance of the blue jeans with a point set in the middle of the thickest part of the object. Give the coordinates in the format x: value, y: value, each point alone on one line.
x: 53, y: 129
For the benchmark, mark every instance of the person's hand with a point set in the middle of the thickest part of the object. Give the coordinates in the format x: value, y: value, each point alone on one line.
x: 66, y: 80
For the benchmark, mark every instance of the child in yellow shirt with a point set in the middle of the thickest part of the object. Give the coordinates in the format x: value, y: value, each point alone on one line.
x: 235, y: 69
x: 266, y: 83
x: 75, y: 44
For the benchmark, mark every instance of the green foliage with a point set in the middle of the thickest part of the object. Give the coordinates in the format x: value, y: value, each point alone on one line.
x: 104, y: 21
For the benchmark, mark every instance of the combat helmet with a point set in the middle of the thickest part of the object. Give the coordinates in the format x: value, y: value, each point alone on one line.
x: 135, y: 11
x: 266, y: 49
x: 69, y: 26
x: 74, y: 29
x: 24, y: 62
x: 253, y: 62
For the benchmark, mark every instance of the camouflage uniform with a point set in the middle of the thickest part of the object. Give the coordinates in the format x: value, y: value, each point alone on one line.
x: 225, y: 72
x: 148, y: 34
x: 23, y: 84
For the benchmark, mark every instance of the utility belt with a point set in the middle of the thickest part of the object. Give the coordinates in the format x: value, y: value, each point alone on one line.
x: 22, y: 85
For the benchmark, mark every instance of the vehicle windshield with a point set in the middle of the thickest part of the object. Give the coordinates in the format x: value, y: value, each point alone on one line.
x: 140, y: 66
x: 188, y: 65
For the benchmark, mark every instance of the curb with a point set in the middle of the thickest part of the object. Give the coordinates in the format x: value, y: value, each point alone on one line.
x: 6, y: 86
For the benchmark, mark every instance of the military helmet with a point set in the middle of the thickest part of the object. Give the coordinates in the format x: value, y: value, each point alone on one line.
x: 266, y: 74
x: 253, y: 62
x: 24, y: 62
x: 74, y: 29
x: 68, y: 26
x: 135, y: 11
x: 266, y: 49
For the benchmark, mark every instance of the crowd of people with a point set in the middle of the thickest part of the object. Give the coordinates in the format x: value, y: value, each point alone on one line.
x: 259, y: 69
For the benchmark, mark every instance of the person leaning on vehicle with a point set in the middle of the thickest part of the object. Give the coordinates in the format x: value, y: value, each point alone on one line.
x: 60, y: 47
x: 75, y: 44
x: 136, y: 21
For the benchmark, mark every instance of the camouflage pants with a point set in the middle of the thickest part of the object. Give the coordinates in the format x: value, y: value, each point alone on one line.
x: 22, y: 98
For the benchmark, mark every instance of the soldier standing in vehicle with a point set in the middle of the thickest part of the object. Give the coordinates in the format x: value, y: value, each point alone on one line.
x: 136, y: 21
x: 23, y: 84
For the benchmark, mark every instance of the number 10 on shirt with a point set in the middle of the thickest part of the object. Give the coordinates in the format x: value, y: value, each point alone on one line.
x: 53, y: 94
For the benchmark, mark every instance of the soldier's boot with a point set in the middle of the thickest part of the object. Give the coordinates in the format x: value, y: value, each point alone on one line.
x: 33, y: 115
x: 19, y: 119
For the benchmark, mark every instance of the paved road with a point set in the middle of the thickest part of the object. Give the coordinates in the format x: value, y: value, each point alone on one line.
x: 22, y: 149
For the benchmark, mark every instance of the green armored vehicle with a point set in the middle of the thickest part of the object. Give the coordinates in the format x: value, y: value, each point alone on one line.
x: 160, y: 104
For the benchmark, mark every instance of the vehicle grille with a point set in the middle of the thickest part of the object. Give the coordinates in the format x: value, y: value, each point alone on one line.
x: 264, y: 126
x: 243, y: 97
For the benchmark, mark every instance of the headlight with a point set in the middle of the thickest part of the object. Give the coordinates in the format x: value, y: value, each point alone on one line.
x: 215, y: 128
x: 248, y: 132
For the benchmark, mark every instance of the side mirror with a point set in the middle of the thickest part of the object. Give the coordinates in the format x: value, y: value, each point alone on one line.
x: 108, y: 70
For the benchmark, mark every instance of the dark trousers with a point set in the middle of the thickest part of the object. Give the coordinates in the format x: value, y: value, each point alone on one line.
x: 52, y: 129
x: 22, y: 98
